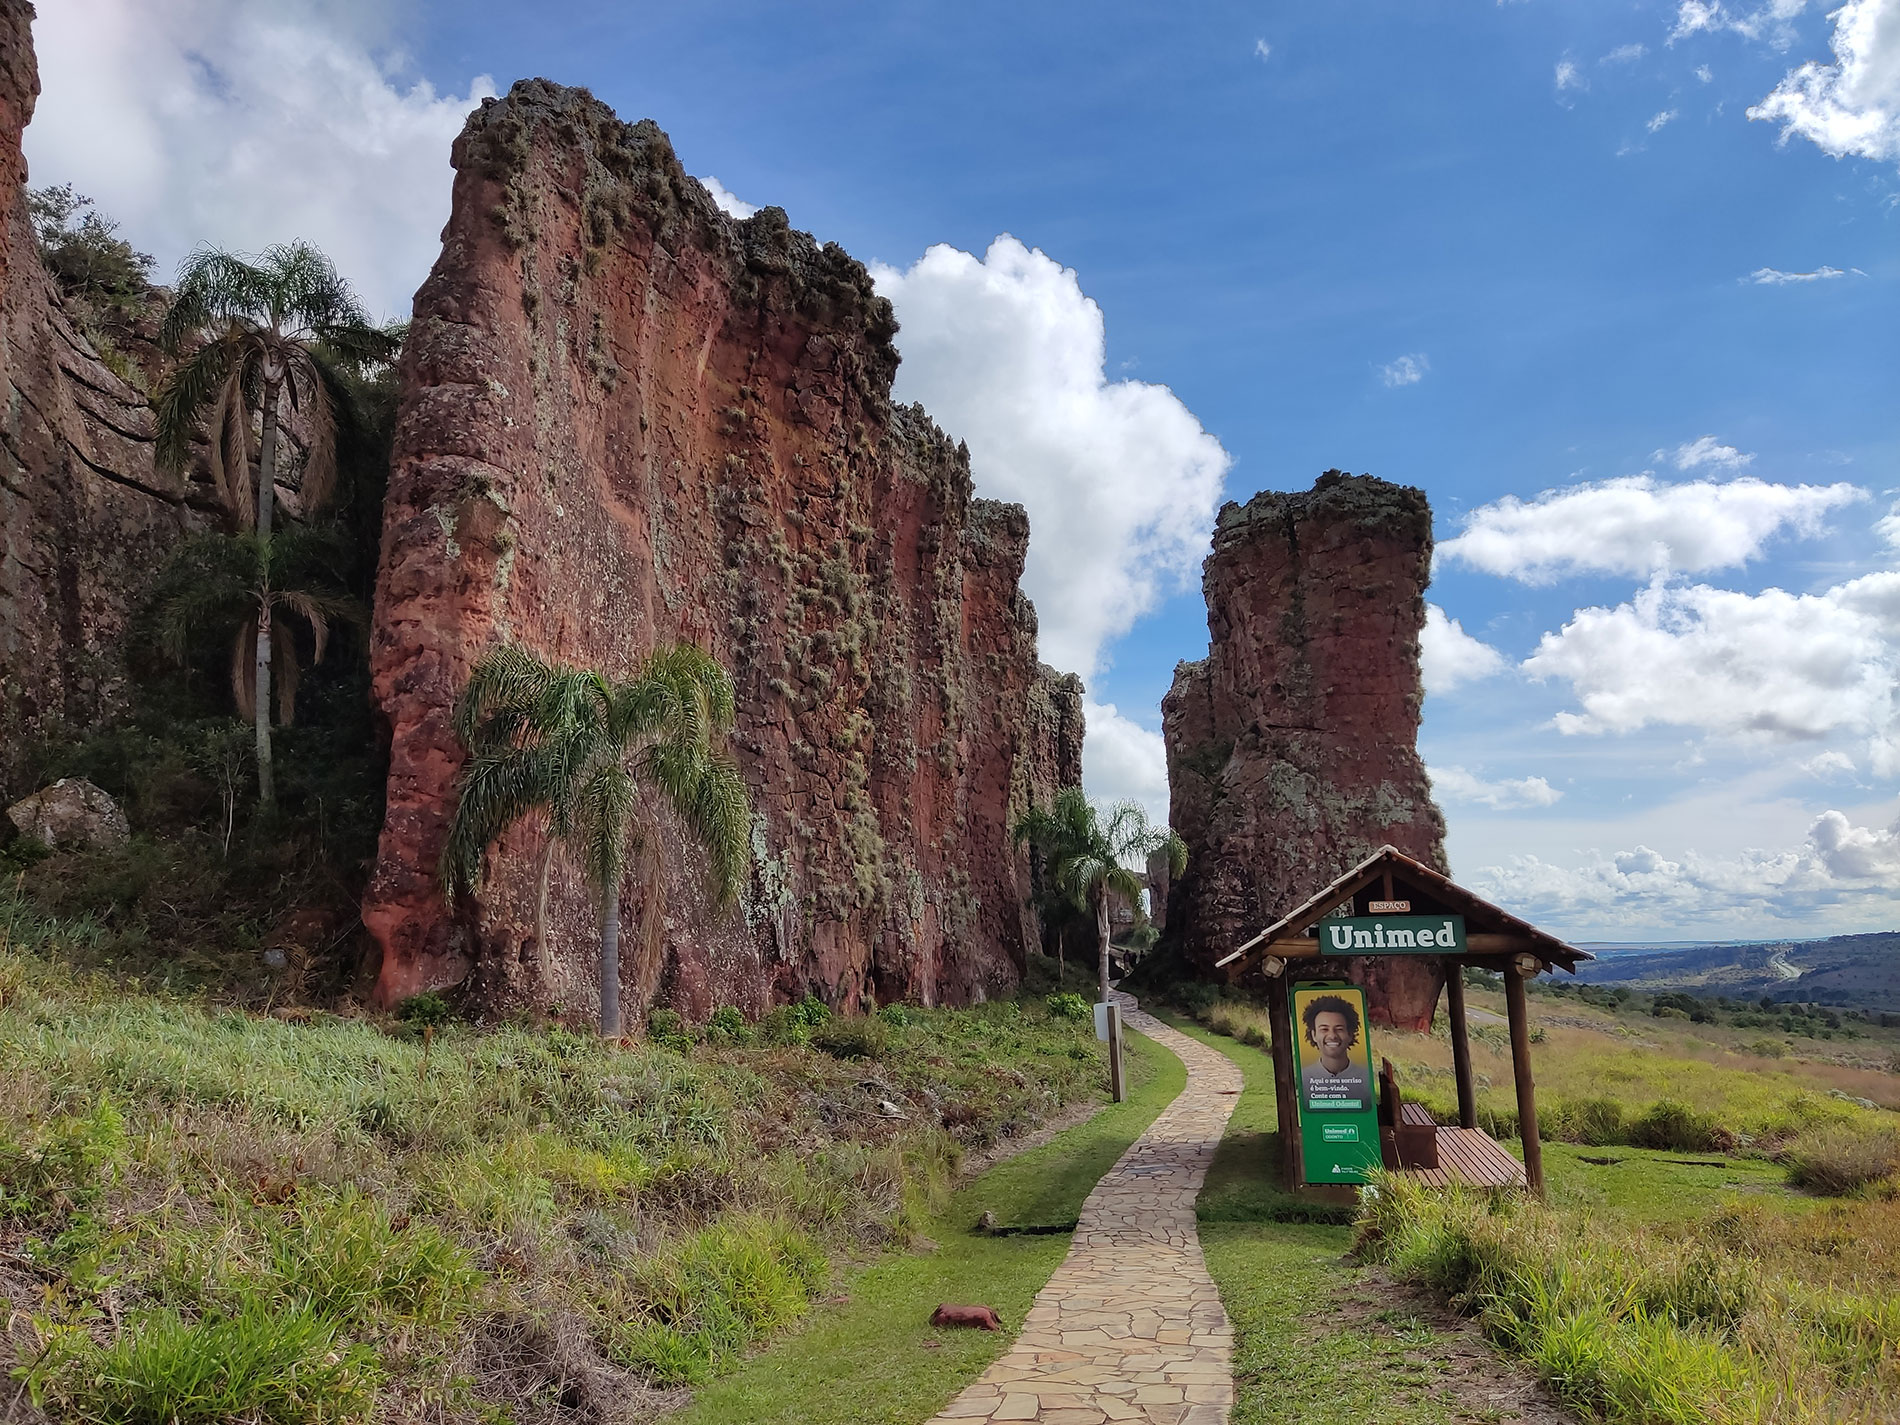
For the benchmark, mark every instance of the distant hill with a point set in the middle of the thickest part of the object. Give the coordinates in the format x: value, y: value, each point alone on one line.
x: 1852, y: 971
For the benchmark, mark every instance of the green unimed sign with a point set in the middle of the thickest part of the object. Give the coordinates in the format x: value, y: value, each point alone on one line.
x: 1339, y: 1120
x: 1392, y: 935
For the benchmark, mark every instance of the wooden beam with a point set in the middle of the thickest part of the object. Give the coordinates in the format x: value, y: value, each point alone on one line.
x: 1521, y: 1074
x: 1460, y: 1044
x: 1285, y: 1089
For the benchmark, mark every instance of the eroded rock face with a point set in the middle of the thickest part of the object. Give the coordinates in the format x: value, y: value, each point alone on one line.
x: 84, y: 516
x: 1292, y: 747
x: 626, y: 419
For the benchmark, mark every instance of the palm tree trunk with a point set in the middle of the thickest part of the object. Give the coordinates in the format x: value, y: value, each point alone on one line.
x: 610, y: 964
x: 266, y: 791
x: 1062, y: 937
x: 266, y: 502
x: 1101, y: 933
x: 544, y: 962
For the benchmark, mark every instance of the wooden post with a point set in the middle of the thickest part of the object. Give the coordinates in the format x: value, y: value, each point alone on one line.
x: 1460, y: 1043
x: 1285, y: 1091
x: 1521, y: 1073
x: 1117, y: 1084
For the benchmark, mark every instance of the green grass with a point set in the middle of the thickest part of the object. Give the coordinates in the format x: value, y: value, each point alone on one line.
x: 450, y: 1229
x: 1656, y: 1285
x: 875, y: 1358
x: 1278, y: 1275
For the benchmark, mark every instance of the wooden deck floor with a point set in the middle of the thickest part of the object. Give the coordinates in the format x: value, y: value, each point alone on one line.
x: 1473, y: 1157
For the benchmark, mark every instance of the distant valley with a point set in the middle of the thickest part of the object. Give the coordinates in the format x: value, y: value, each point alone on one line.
x: 1851, y: 971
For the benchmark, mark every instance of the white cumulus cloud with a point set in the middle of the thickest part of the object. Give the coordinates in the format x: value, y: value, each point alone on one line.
x: 1770, y: 23
x: 1839, y: 865
x: 728, y: 202
x: 1773, y: 665
x: 1775, y: 277
x: 1449, y: 656
x: 1124, y: 761
x: 1638, y: 525
x: 1851, y: 106
x: 1262, y: 49
x: 243, y: 125
x: 1567, y: 77
x: 1625, y: 54
x: 1406, y: 371
x: 1120, y: 480
x: 1888, y: 527
x: 1704, y: 450
x: 1455, y: 784
x: 1666, y: 116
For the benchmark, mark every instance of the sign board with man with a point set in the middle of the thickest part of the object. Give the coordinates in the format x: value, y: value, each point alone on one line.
x: 1390, y: 904
x: 1339, y: 1122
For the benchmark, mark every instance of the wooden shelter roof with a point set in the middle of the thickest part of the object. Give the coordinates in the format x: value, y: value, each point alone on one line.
x: 1491, y: 930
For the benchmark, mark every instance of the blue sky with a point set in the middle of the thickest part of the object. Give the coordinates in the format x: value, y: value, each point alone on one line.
x: 1493, y: 250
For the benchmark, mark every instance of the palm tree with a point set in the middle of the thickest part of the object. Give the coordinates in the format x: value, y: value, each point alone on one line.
x: 243, y: 582
x: 610, y: 766
x: 251, y: 336
x: 1087, y: 858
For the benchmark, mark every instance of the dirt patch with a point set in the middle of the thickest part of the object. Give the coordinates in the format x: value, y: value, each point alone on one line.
x: 1481, y: 1383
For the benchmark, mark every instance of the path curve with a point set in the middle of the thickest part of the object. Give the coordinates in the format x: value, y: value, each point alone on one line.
x: 1131, y: 1327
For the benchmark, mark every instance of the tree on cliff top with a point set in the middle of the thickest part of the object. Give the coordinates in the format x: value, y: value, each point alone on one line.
x: 613, y: 767
x: 1087, y: 857
x: 253, y: 335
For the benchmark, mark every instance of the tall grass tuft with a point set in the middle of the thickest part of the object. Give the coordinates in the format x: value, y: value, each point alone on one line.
x: 1838, y: 1158
x: 1640, y: 1328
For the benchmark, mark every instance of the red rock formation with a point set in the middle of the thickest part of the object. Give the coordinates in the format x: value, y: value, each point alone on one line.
x: 627, y: 418
x: 85, y: 516
x: 1292, y: 747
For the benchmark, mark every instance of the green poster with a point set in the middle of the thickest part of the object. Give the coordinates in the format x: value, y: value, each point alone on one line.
x: 1332, y: 1056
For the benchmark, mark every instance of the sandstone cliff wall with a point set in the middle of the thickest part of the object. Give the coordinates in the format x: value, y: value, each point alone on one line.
x: 1292, y: 747
x: 627, y: 418
x: 84, y: 517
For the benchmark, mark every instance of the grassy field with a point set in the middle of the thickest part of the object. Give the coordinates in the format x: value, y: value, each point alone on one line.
x: 211, y: 1216
x: 872, y: 1358
x: 1708, y: 1287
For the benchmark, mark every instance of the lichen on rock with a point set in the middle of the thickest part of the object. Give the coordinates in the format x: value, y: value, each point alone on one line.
x: 643, y: 420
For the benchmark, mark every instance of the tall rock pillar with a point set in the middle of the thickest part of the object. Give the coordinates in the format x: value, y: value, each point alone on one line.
x: 1292, y: 747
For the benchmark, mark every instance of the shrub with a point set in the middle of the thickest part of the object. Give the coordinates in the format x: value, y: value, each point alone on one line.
x: 1068, y: 1006
x: 1669, y: 1124
x: 1838, y: 1158
x: 427, y: 1010
x: 1597, y: 1122
x: 261, y: 1364
x: 895, y: 1015
x: 784, y: 1026
x: 1256, y: 1037
x: 703, y: 1301
x: 811, y: 1011
x: 729, y: 1022
x: 863, y: 1038
x: 667, y: 1027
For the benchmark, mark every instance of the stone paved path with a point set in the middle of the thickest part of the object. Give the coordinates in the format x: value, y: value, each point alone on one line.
x: 1131, y: 1327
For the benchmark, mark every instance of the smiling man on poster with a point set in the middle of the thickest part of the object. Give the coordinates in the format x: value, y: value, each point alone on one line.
x: 1334, y: 1077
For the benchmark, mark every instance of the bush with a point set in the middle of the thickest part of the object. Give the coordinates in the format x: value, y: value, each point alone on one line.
x: 1069, y: 1006
x: 895, y: 1015
x: 668, y: 1028
x: 864, y: 1038
x: 80, y: 249
x: 1669, y: 1124
x: 1837, y: 1158
x: 261, y: 1364
x: 426, y: 1011
x: 1597, y: 1122
x: 728, y: 1022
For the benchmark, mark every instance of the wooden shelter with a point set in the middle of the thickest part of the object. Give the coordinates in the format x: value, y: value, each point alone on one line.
x: 1388, y: 882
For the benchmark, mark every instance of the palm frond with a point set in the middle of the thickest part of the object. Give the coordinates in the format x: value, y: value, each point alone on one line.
x: 604, y: 812
x: 493, y: 791
x: 286, y: 674
x: 244, y: 669
x: 185, y: 392
x: 310, y: 396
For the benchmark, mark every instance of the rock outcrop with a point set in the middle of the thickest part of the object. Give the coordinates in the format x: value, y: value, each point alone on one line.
x: 1292, y: 746
x: 70, y: 814
x: 84, y: 516
x: 627, y: 418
